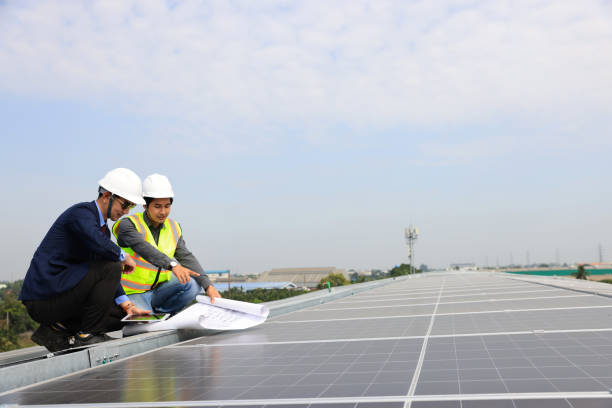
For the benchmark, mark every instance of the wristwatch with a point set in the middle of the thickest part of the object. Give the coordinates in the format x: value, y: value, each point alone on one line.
x: 173, y: 263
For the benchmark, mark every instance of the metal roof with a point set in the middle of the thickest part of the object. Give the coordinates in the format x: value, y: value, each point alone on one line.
x: 434, y: 340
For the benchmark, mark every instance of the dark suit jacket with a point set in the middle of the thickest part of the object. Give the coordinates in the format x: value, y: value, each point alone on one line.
x: 62, y: 258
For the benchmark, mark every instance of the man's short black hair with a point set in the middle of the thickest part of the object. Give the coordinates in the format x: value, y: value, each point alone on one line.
x: 101, y: 190
x: 149, y: 199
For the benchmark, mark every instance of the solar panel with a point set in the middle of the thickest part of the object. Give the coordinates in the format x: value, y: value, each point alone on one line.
x: 442, y: 340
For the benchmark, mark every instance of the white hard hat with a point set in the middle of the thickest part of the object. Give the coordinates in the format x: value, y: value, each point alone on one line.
x: 157, y: 186
x: 124, y: 183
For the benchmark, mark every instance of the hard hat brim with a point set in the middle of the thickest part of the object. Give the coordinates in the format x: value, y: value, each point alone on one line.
x: 134, y: 199
x: 130, y: 197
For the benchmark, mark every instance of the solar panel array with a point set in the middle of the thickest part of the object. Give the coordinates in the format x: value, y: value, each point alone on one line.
x: 440, y: 340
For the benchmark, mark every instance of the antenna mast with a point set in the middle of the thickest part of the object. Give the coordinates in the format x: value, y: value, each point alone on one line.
x: 411, y: 234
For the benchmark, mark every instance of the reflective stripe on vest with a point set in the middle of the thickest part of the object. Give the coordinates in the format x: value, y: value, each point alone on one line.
x: 143, y: 276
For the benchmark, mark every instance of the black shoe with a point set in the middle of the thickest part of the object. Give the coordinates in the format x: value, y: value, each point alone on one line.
x: 88, y: 339
x: 59, y: 327
x: 53, y: 340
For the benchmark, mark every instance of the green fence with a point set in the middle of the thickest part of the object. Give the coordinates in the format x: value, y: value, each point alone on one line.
x: 559, y: 272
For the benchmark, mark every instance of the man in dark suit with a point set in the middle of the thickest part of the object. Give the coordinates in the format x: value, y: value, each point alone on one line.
x: 75, y: 272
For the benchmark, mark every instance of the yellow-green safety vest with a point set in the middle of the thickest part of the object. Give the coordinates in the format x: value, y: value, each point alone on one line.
x: 143, y: 277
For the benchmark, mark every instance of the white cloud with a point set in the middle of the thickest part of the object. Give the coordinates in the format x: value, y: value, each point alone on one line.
x: 366, y: 64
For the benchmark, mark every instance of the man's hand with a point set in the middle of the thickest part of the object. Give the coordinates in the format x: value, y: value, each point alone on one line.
x: 128, y: 265
x: 130, y: 309
x: 212, y: 292
x: 138, y: 312
x: 183, y: 274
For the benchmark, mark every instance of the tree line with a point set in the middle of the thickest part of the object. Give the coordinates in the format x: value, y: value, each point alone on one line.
x: 260, y: 295
x: 14, y: 319
x: 338, y: 279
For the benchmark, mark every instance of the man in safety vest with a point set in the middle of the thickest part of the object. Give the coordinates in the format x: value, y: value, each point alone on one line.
x: 164, y: 266
x: 75, y: 272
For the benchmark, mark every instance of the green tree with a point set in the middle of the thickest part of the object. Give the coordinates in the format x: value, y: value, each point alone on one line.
x: 14, y: 315
x: 334, y: 279
x: 260, y: 295
x: 14, y: 318
x: 581, y: 273
x: 8, y: 340
x: 403, y: 269
x: 356, y: 278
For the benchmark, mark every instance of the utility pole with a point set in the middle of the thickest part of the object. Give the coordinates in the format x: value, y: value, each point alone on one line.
x: 411, y: 234
x: 600, y: 254
x: 229, y: 286
x: 557, y: 256
x: 528, y: 260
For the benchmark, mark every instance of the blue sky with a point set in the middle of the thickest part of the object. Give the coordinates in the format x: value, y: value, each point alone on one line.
x: 311, y: 134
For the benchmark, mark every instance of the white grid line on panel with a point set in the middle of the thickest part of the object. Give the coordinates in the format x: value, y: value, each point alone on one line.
x: 356, y: 300
x: 415, y: 290
x: 456, y: 365
x: 441, y: 314
x: 451, y: 303
x: 573, y: 364
x: 494, y: 365
x: 589, y: 347
x: 472, y: 289
x: 433, y: 336
x: 417, y: 371
x: 535, y: 366
x: 339, y: 400
x: 381, y: 370
x: 346, y: 370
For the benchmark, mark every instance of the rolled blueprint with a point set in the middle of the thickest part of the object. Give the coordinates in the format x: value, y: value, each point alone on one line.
x: 224, y: 314
x: 245, y: 307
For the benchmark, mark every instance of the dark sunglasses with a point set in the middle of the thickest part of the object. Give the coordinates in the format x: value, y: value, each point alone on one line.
x: 125, y: 204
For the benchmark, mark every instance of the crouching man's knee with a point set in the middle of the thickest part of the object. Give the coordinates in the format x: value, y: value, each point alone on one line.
x: 113, y: 270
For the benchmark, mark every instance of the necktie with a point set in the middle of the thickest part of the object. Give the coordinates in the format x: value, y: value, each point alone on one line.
x: 103, y: 229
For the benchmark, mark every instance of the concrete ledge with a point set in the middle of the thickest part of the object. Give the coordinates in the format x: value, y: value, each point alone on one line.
x: 30, y: 372
x: 577, y: 285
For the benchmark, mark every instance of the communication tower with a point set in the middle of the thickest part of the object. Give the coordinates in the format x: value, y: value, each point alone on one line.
x: 411, y: 234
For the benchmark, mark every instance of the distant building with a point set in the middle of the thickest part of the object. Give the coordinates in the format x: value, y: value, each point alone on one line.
x: 463, y: 267
x: 218, y: 275
x: 365, y: 272
x: 599, y: 265
x: 306, y: 277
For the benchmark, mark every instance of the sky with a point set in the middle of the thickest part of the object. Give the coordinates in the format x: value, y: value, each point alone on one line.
x: 311, y: 133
